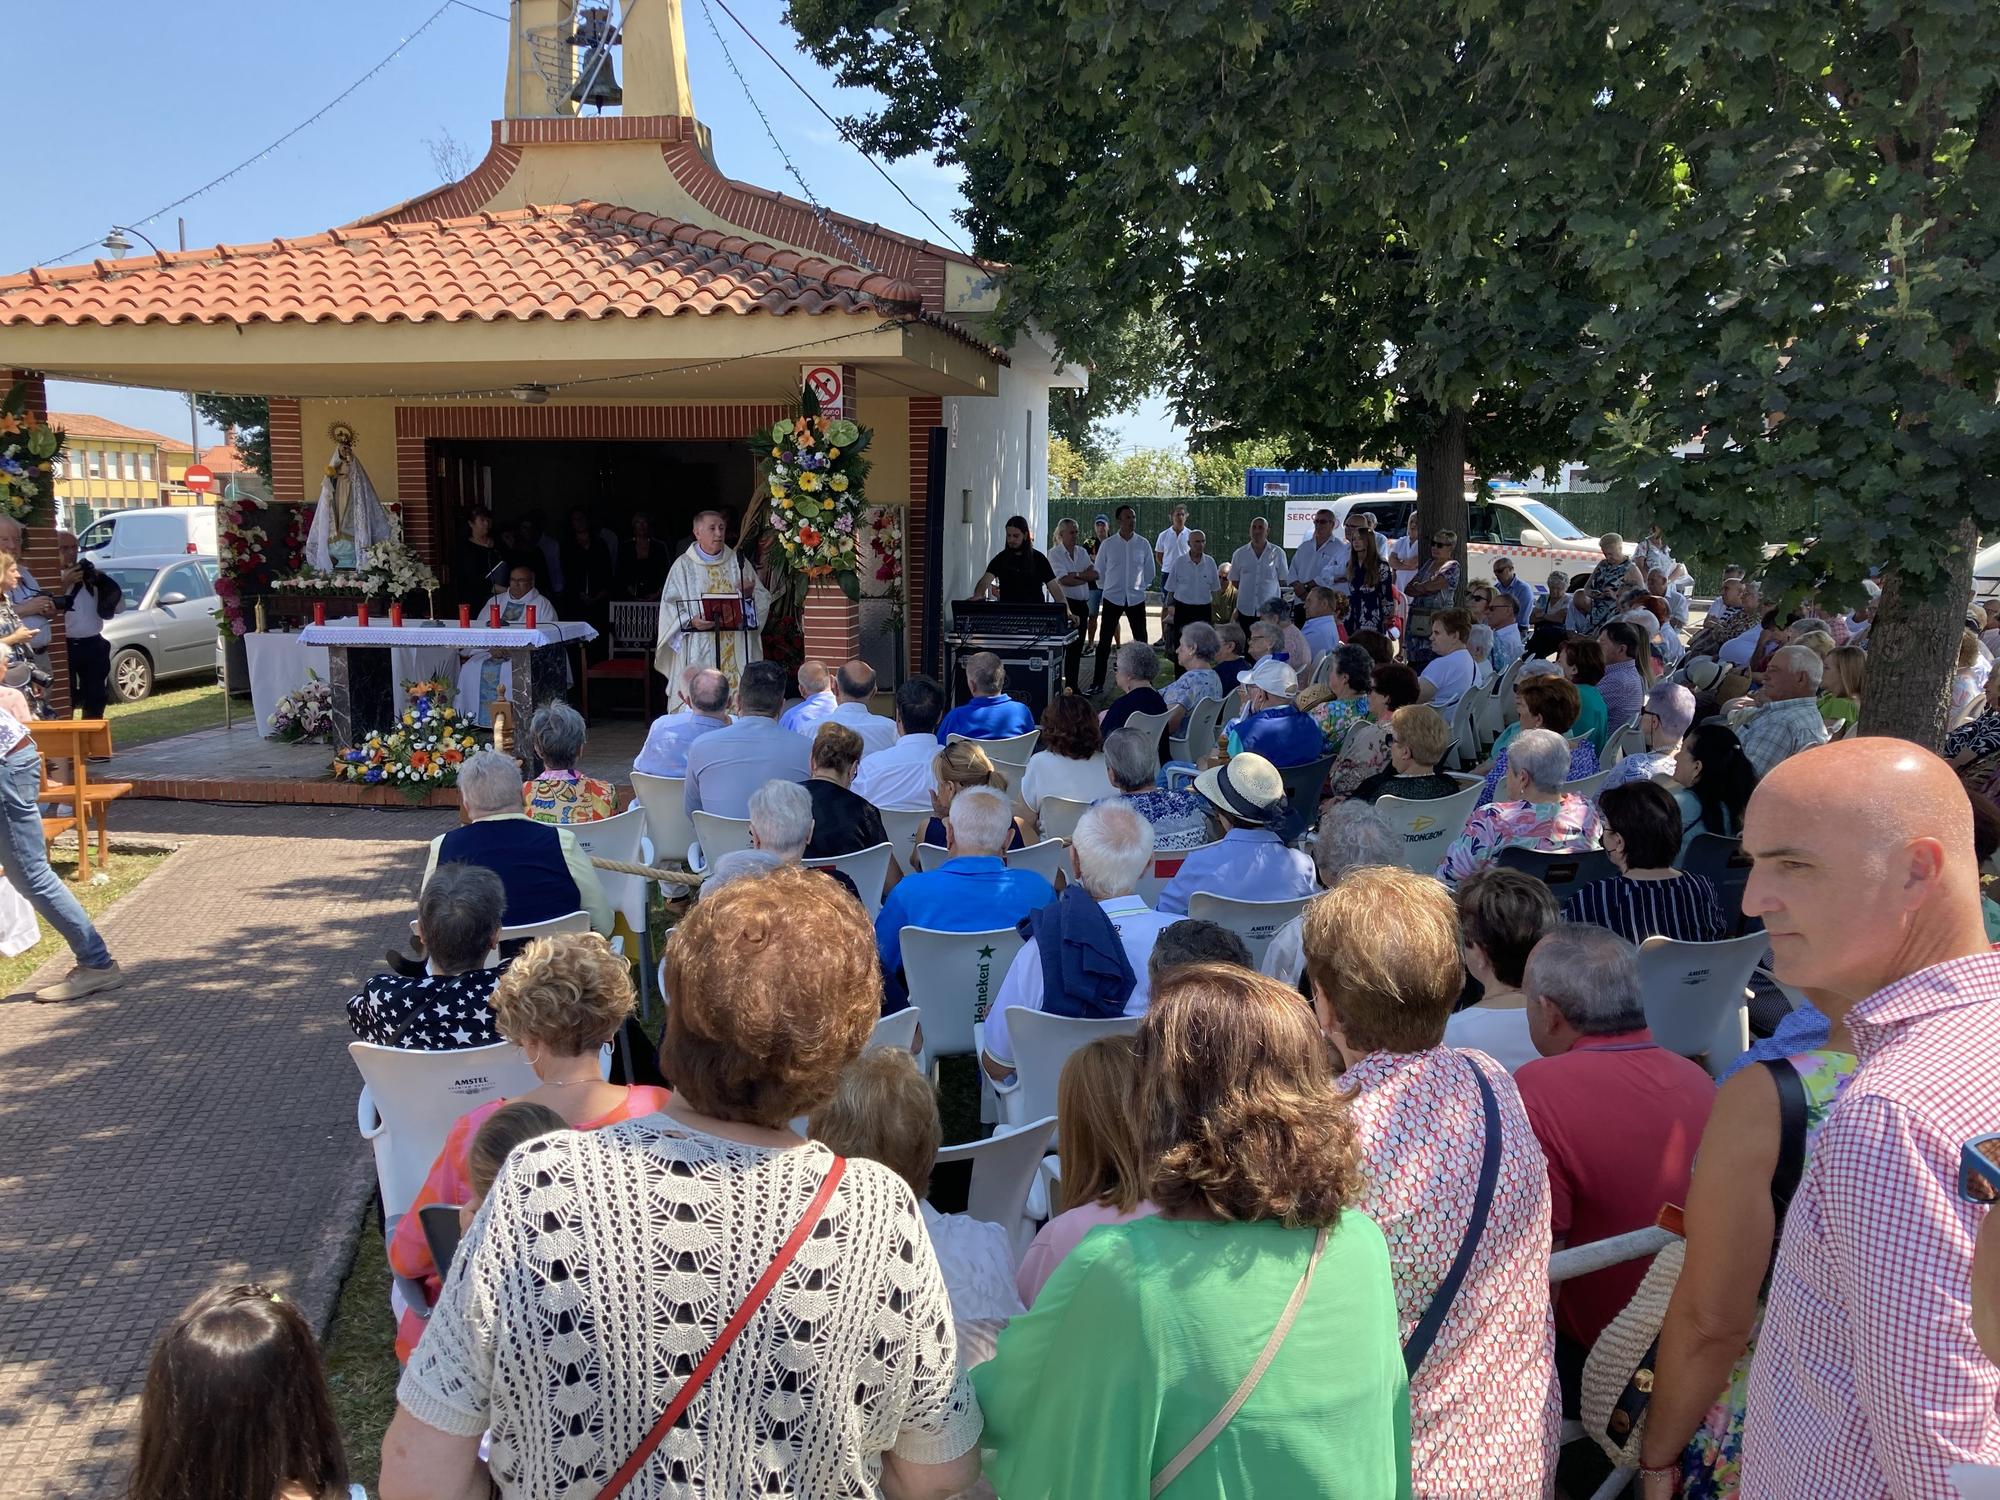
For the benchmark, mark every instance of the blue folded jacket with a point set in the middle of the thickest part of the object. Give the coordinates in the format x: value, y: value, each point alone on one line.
x: 1084, y: 969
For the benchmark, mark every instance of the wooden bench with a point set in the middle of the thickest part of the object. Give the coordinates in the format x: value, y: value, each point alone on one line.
x: 74, y: 741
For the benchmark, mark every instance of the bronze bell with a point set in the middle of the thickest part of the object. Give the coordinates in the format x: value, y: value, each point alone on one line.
x: 596, y: 81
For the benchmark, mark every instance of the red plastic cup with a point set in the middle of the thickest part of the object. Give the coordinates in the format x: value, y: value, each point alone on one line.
x: 465, y: 617
x: 361, y: 612
x: 493, y: 616
x: 319, y: 611
x: 531, y: 617
x: 396, y: 613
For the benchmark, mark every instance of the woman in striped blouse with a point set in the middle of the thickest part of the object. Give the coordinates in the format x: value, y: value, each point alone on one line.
x: 1648, y: 897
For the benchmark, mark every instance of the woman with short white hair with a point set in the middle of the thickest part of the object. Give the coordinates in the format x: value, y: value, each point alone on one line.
x: 1531, y: 812
x: 560, y: 794
x: 1351, y: 835
x: 1179, y: 819
x: 781, y: 819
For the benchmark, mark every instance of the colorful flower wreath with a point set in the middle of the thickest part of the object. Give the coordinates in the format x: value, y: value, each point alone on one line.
x: 815, y: 472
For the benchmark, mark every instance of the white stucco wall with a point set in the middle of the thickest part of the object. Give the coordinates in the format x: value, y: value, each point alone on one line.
x: 995, y: 467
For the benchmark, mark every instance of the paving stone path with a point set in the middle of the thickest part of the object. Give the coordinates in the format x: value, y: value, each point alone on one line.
x: 196, y: 1126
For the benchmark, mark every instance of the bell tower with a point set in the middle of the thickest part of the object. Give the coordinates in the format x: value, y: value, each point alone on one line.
x: 563, y: 56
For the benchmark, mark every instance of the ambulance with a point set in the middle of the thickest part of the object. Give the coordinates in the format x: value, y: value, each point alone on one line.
x: 1539, y: 538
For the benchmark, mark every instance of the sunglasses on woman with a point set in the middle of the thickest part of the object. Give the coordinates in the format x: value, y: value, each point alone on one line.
x: 1979, y: 1169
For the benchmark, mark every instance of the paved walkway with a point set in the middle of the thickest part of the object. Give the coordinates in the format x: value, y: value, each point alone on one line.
x: 195, y: 1127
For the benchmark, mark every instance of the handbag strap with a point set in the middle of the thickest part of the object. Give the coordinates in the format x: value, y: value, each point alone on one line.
x: 1425, y: 1333
x: 1200, y: 1441
x: 698, y: 1376
x: 1791, y: 1150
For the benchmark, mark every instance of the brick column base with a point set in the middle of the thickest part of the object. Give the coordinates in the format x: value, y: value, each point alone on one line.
x: 832, y: 624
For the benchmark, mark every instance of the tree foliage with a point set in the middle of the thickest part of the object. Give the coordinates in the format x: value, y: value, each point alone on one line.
x: 1141, y: 471
x: 251, y: 417
x: 1219, y: 471
x: 1791, y: 214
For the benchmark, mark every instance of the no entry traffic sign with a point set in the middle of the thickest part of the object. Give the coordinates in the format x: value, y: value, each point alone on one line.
x: 199, y: 478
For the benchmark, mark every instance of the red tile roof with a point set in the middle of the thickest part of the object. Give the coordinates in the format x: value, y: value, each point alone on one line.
x: 80, y: 424
x: 565, y: 261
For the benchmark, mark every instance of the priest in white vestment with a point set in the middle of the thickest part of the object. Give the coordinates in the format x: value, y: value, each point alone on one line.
x: 689, y: 635
x: 486, y: 678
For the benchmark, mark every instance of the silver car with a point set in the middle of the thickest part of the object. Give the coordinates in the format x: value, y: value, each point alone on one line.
x: 165, y: 625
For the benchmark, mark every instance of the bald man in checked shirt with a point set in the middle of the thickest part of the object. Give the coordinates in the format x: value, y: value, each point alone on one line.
x: 1868, y: 1382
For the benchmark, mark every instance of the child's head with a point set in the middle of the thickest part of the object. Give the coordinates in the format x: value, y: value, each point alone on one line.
x: 236, y: 1405
x: 503, y: 1130
x: 1100, y: 1141
x: 885, y: 1110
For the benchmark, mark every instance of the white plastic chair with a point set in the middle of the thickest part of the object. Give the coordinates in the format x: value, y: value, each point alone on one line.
x: 623, y: 838
x: 953, y: 978
x: 667, y: 823
x: 1428, y: 826
x: 1047, y: 859
x: 410, y: 1099
x: 1232, y: 706
x: 1489, y: 711
x: 1463, y: 743
x: 898, y: 1030
x: 1150, y: 725
x: 1042, y: 1044
x: 718, y: 836
x: 1010, y: 754
x: 1622, y: 741
x: 1198, y: 732
x: 576, y: 921
x: 1004, y: 1168
x: 867, y: 868
x: 1586, y: 787
x: 1058, y: 817
x: 904, y: 825
x: 1694, y: 995
x: 1256, y: 922
x: 1164, y: 868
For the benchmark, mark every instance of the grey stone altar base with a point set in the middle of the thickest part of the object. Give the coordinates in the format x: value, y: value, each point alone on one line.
x: 367, y: 698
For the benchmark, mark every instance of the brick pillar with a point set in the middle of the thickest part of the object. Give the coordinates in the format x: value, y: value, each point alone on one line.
x: 288, y: 454
x: 39, y: 549
x: 832, y: 624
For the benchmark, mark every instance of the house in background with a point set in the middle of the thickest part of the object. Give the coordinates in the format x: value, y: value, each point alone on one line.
x: 596, y: 317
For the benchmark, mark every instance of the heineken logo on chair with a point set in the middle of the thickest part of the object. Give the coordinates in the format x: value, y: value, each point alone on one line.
x: 982, y: 988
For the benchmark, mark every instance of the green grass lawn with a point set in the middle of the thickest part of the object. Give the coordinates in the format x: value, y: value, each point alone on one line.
x: 174, y: 708
x: 127, y: 870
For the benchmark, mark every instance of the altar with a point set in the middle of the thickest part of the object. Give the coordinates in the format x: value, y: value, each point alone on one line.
x: 367, y: 692
x: 281, y: 663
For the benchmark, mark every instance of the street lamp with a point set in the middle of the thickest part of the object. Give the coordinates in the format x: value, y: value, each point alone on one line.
x: 118, y: 245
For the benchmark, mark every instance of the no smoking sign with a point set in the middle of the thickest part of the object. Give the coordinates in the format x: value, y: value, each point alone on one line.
x: 825, y: 382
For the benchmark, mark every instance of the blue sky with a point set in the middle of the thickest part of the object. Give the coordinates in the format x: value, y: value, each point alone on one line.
x: 152, y: 101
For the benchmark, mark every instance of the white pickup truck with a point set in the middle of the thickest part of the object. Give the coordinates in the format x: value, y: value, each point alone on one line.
x: 1540, y: 539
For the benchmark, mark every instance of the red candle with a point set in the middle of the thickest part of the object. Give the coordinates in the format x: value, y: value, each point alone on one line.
x: 319, y: 611
x: 396, y: 612
x: 531, y: 617
x: 493, y: 616
x: 465, y: 617
x: 361, y: 613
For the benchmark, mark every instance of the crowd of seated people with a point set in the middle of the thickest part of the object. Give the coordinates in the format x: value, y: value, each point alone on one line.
x: 1436, y: 1083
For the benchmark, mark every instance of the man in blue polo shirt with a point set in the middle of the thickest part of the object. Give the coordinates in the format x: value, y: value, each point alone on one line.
x: 972, y: 892
x: 1273, y: 727
x: 991, y: 715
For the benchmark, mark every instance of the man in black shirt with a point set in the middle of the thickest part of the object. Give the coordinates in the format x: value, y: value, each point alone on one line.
x: 1018, y: 573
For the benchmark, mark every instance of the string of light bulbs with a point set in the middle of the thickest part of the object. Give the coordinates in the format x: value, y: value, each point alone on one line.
x: 64, y: 257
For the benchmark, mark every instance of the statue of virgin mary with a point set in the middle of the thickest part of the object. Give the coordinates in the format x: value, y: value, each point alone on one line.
x: 349, y: 518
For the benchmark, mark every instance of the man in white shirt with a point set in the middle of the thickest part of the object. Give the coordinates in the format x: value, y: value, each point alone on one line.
x: 1449, y: 675
x: 1406, y: 554
x: 1258, y: 571
x: 1172, y: 544
x: 1321, y: 559
x: 1321, y: 631
x: 816, y: 701
x: 853, y: 691
x: 900, y: 778
x: 1507, y: 643
x: 1191, y: 586
x: 1125, y: 572
x: 1075, y: 571
x: 1110, y: 852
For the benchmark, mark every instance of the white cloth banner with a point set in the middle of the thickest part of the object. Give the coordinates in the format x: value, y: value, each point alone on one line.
x: 19, y: 931
x: 352, y: 633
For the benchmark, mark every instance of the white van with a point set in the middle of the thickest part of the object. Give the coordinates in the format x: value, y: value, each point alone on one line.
x: 150, y: 532
x: 1539, y: 538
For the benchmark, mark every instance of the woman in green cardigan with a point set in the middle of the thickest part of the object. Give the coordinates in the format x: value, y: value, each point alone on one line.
x: 1138, y: 1343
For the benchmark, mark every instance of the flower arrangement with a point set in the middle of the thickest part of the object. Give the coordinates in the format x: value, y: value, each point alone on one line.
x: 298, y: 526
x: 306, y: 714
x: 421, y: 753
x: 29, y: 448
x: 389, y: 568
x: 241, y: 546
x: 885, y: 545
x: 814, y: 472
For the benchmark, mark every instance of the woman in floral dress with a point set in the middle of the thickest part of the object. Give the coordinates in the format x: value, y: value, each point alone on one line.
x: 1710, y: 1334
x: 1371, y: 598
x: 559, y: 794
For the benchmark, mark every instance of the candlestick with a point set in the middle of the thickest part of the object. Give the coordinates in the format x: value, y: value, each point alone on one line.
x: 319, y: 611
x: 361, y: 613
x: 531, y: 617
x: 260, y: 617
x: 493, y: 616
x: 396, y: 612
x: 465, y: 617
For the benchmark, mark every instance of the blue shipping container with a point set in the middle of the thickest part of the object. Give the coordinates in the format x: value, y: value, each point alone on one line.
x: 1327, y: 481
